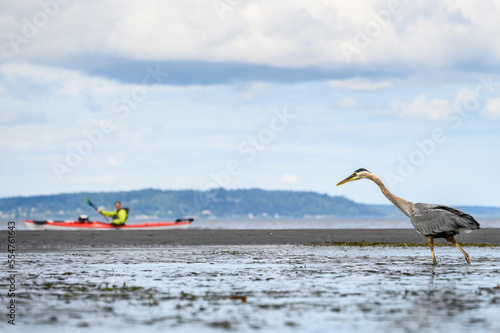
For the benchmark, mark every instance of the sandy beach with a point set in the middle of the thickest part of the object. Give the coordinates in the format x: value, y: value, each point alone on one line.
x: 27, y: 241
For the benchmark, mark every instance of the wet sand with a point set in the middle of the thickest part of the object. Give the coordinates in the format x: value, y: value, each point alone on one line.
x: 27, y: 241
x: 246, y: 288
x: 219, y: 280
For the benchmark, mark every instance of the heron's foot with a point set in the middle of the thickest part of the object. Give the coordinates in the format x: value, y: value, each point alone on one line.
x: 434, y: 262
x: 467, y: 258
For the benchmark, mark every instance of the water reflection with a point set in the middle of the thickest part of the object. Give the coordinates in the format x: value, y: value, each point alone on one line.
x: 270, y: 288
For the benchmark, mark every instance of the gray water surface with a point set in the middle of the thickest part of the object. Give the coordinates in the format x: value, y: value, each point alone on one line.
x: 258, y: 289
x: 285, y: 223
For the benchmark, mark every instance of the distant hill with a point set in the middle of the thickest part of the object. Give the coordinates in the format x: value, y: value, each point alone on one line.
x: 216, y: 203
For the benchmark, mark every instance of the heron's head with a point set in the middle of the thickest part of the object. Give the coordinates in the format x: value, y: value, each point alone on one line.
x: 357, y: 175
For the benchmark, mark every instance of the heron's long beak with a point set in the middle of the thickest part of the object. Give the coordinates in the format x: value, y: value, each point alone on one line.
x: 348, y: 179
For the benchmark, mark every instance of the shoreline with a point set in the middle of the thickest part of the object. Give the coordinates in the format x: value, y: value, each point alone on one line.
x: 55, y: 240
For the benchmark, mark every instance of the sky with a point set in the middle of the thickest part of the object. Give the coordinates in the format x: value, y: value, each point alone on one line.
x: 278, y: 95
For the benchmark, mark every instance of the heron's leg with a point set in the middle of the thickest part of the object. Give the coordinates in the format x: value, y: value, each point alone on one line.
x: 430, y: 240
x: 452, y: 240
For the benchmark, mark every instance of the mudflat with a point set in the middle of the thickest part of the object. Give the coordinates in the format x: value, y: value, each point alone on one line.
x: 45, y: 240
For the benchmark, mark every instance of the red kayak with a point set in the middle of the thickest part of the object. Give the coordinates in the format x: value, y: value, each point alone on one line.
x: 95, y: 225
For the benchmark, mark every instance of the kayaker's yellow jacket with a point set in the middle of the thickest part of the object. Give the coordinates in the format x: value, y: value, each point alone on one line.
x: 119, y: 217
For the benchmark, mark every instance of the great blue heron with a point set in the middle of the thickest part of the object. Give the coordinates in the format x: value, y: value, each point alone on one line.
x: 431, y: 221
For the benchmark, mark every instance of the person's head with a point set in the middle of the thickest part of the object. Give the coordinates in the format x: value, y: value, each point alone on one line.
x: 118, y: 205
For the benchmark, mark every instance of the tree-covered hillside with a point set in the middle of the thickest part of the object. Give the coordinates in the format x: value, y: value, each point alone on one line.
x: 216, y: 203
x: 219, y: 203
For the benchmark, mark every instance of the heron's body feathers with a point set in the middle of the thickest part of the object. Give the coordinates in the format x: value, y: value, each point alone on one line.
x: 441, y: 221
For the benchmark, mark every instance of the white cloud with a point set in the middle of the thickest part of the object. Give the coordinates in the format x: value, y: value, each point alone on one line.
x: 492, y: 109
x: 465, y: 102
x: 360, y: 84
x: 346, y: 102
x: 422, y: 107
x: 62, y: 82
x: 289, y: 178
x: 113, y: 162
x: 305, y: 33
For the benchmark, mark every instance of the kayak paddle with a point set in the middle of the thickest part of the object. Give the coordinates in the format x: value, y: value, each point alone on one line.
x: 92, y: 205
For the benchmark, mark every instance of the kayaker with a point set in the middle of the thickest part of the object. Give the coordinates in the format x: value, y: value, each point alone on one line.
x: 119, y: 214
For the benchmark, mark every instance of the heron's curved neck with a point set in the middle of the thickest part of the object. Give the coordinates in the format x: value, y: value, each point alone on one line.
x: 403, y: 205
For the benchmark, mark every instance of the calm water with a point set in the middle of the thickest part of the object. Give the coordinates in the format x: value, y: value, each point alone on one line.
x: 257, y: 289
x: 302, y: 224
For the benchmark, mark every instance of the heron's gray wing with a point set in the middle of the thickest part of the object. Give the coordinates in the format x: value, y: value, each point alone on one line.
x: 441, y: 221
x: 427, y: 220
x: 462, y: 220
